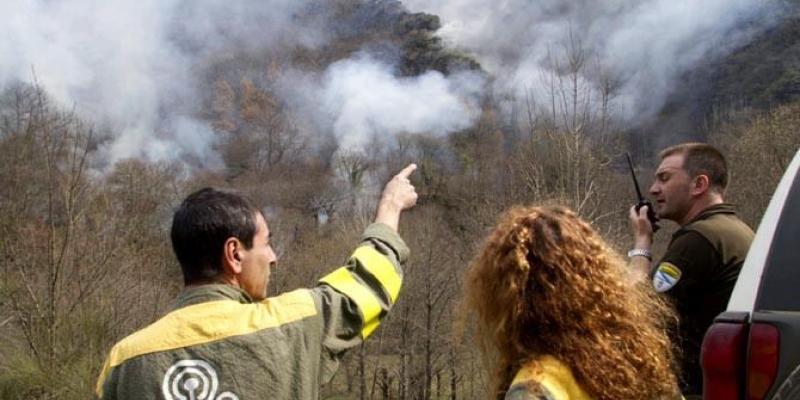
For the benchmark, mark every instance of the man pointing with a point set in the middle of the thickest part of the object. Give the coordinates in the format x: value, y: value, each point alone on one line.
x: 224, y: 338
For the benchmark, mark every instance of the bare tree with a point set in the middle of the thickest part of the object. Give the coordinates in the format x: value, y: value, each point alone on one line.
x: 56, y: 220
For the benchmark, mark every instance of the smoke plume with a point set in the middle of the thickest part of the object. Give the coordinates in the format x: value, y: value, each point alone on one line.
x: 129, y: 64
x: 643, y: 46
x: 362, y: 99
x: 134, y: 66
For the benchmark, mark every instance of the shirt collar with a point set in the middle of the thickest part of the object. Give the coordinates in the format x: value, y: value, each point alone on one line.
x: 722, y: 208
x: 212, y: 292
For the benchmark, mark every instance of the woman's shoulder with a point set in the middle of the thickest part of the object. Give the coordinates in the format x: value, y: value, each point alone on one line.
x: 528, y: 391
x: 545, y: 378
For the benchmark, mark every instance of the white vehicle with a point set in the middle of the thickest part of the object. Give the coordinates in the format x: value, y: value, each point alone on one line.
x: 752, y: 351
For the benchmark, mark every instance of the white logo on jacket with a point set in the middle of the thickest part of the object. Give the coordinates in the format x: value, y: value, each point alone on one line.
x: 193, y: 380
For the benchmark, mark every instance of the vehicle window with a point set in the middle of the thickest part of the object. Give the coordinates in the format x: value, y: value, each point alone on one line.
x: 781, y: 282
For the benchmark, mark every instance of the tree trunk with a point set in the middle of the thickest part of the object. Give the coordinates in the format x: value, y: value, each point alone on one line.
x: 453, y: 377
x: 385, y: 384
x: 362, y: 372
x: 438, y: 385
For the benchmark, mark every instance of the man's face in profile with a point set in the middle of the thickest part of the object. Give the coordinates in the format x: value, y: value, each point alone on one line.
x: 257, y: 262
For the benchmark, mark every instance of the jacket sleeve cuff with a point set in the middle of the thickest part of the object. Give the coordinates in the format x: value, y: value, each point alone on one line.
x: 381, y: 232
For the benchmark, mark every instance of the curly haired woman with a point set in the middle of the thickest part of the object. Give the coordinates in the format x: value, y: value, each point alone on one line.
x: 554, y: 304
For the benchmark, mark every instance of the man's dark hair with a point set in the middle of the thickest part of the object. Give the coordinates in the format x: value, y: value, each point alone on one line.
x: 202, y: 224
x: 702, y: 159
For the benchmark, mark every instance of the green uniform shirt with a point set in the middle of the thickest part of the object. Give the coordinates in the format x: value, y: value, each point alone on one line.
x: 217, y: 344
x: 698, y: 273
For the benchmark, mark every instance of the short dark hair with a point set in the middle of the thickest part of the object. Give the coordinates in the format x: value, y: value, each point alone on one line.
x: 202, y: 224
x: 702, y: 159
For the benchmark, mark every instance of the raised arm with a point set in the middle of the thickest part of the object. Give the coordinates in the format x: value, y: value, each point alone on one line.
x: 354, y: 298
x: 640, y: 256
x: 398, y: 195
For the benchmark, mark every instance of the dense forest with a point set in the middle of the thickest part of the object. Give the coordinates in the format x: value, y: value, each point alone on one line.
x: 84, y: 243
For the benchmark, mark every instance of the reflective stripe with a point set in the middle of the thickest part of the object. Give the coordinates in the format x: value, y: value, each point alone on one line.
x: 381, y: 268
x: 208, y: 322
x: 554, y: 376
x: 343, y: 281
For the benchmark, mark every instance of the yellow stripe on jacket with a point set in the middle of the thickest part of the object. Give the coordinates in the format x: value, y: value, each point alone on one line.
x: 208, y: 322
x: 553, y: 375
x: 381, y: 268
x: 376, y: 264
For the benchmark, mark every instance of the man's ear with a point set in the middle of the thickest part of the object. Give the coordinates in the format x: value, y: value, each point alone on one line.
x: 231, y: 259
x: 700, y: 185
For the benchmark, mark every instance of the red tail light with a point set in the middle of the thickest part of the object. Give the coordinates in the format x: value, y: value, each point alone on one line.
x: 722, y: 357
x: 762, y: 360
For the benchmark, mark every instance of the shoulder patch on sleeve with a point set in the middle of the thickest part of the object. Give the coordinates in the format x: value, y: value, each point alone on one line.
x: 666, y: 276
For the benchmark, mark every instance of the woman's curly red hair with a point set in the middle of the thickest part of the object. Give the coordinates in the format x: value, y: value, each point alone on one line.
x: 546, y: 283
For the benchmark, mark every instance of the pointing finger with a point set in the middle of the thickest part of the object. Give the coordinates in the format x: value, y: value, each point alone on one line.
x: 407, y: 171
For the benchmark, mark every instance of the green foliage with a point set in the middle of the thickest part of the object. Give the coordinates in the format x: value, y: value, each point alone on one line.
x: 21, y: 377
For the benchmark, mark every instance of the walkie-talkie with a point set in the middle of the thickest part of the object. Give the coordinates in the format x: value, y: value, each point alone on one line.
x: 651, y: 213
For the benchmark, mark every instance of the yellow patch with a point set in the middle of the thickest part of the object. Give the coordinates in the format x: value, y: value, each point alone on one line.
x: 666, y: 276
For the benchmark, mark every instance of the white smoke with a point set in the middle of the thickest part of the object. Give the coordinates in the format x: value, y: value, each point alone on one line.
x: 128, y: 64
x: 645, y: 44
x: 362, y: 97
x: 134, y: 65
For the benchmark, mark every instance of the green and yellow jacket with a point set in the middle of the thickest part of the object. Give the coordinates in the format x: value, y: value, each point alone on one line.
x: 217, y: 344
x: 545, y: 378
